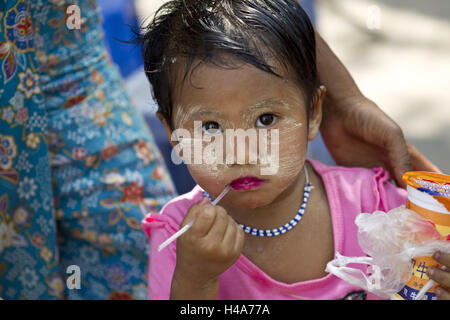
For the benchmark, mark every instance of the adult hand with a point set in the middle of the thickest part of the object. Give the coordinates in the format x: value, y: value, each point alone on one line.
x: 358, y: 133
x: 355, y: 130
x: 442, y: 277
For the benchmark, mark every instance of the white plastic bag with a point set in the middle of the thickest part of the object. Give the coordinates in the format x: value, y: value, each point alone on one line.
x: 390, y: 240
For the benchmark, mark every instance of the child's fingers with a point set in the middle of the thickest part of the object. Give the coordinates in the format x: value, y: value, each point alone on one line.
x: 217, y: 230
x: 204, y: 219
x: 192, y: 212
x: 239, y: 239
x: 230, y: 233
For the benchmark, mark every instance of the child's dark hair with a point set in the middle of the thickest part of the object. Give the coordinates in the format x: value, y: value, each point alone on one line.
x: 250, y: 30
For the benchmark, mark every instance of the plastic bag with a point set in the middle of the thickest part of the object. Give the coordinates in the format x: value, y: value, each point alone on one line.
x: 390, y: 240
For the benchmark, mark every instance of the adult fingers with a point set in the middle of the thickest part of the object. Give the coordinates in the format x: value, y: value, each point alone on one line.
x: 381, y: 131
x: 442, y: 293
x: 442, y: 258
x: 419, y: 161
x: 398, y: 156
x: 440, y: 276
x: 413, y: 159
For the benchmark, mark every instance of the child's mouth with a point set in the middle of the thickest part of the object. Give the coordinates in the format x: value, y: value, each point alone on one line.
x: 246, y: 183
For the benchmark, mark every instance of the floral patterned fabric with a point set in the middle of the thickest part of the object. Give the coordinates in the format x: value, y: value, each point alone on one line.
x: 78, y: 166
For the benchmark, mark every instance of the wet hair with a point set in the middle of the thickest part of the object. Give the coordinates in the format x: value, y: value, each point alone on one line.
x: 250, y: 31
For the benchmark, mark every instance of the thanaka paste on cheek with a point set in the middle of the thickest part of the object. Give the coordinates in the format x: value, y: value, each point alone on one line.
x: 215, y: 157
x: 282, y: 160
x: 282, y: 156
x: 181, y: 116
x: 291, y: 151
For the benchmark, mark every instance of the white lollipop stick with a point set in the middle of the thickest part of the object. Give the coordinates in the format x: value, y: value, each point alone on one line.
x: 175, y: 235
x: 186, y: 227
x: 427, y: 287
x: 424, y: 290
x: 224, y: 192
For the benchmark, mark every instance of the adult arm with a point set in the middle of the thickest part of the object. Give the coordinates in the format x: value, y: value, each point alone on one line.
x: 355, y: 130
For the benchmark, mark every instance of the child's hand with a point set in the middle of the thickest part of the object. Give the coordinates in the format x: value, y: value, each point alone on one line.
x: 209, y: 247
x: 440, y: 276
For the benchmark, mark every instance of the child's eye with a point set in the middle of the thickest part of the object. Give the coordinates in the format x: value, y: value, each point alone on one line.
x: 211, y: 127
x: 266, y: 120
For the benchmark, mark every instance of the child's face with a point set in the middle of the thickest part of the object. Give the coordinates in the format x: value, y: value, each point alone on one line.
x: 245, y: 98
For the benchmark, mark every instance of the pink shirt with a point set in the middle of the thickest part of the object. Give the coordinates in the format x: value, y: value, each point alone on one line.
x: 350, y: 191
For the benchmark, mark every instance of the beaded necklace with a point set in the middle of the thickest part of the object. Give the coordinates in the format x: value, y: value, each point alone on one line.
x: 288, y: 226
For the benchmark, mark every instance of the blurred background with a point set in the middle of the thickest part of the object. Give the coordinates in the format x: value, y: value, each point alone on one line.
x: 398, y: 52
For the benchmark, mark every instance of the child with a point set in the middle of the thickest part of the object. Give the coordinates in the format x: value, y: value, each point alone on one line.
x: 251, y: 64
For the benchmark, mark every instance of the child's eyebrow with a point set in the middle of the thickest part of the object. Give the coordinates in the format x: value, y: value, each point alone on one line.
x: 269, y: 103
x: 204, y: 112
x: 263, y: 104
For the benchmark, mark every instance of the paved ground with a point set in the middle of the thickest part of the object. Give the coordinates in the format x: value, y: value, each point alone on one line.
x: 399, y: 53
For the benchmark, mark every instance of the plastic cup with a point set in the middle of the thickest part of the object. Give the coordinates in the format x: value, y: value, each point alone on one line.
x: 429, y: 196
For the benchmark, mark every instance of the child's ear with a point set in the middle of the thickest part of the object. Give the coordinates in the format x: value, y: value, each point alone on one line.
x: 315, y: 115
x: 167, y: 127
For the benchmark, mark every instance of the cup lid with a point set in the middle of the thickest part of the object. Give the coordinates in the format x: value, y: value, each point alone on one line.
x: 435, y: 184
